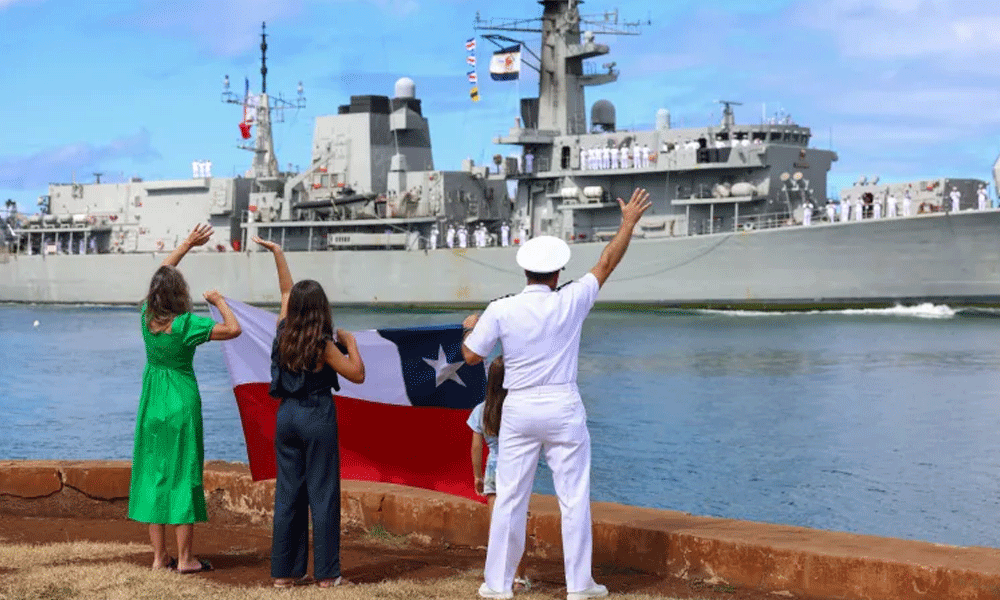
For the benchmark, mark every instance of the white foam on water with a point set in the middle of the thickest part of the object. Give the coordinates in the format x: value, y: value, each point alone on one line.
x: 920, y: 311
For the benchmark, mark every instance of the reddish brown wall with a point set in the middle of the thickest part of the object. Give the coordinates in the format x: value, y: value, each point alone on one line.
x: 805, y: 562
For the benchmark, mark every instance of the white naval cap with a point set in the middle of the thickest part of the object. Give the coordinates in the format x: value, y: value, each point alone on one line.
x: 543, y: 254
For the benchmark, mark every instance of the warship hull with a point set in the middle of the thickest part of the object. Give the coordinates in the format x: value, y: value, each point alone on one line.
x: 941, y: 258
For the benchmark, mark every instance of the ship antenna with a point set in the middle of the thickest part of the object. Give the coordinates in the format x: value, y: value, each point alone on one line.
x: 263, y: 58
x: 257, y: 113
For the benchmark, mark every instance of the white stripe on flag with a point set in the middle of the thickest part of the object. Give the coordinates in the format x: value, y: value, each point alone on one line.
x: 249, y: 357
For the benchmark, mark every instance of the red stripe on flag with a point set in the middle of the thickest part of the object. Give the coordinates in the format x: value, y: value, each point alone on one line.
x: 407, y: 445
x: 258, y: 411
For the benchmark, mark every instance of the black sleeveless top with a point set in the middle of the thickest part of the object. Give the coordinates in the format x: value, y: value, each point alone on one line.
x: 302, y: 385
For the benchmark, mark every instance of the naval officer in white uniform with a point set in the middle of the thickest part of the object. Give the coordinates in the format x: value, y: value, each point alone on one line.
x: 540, y: 333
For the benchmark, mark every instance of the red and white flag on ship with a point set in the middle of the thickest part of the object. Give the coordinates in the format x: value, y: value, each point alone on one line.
x: 248, y: 111
x: 405, y: 424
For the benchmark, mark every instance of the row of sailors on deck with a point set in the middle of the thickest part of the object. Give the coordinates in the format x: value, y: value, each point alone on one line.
x: 869, y: 209
x: 460, y: 237
x: 596, y: 159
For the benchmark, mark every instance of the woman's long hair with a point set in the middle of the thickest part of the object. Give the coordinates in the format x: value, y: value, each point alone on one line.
x: 495, y: 395
x: 168, y: 297
x: 308, y: 326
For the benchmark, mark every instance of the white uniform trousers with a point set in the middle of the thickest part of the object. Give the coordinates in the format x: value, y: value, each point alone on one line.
x: 552, y: 418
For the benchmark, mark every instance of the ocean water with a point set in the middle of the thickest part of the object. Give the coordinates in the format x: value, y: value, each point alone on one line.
x: 883, y: 422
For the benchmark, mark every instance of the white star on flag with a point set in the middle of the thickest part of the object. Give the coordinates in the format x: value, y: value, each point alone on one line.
x: 444, y: 369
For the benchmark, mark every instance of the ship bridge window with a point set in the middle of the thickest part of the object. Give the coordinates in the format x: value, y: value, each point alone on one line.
x: 702, y: 143
x: 759, y: 136
x: 741, y: 135
x: 775, y: 136
x: 722, y: 136
x: 564, y: 157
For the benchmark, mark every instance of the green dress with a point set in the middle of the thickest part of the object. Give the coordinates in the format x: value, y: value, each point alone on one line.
x: 169, y: 454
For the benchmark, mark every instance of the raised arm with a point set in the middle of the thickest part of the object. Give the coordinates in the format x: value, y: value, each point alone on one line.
x: 284, y: 274
x: 615, y: 250
x: 350, y: 366
x: 229, y: 327
x: 198, y: 237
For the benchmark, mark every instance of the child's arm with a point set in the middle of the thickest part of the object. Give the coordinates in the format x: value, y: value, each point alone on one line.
x: 477, y: 461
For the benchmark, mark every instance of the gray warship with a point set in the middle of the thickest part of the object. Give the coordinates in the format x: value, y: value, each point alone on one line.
x: 740, y: 217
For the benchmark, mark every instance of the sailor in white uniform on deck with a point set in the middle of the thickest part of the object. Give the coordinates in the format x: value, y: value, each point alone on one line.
x: 463, y: 236
x: 845, y: 210
x: 539, y: 330
x: 583, y: 159
x: 891, y: 205
x: 645, y: 157
x: 877, y: 210
x: 907, y: 203
x: 858, y: 210
x: 449, y: 236
x: 807, y: 213
x: 831, y: 212
x: 504, y: 234
x: 956, y: 199
x: 614, y: 157
x: 982, y: 199
x: 432, y: 242
x: 636, y: 156
x: 623, y: 156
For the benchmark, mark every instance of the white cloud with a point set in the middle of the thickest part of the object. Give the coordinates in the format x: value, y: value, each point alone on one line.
x: 57, y: 164
x: 944, y: 32
x: 5, y: 4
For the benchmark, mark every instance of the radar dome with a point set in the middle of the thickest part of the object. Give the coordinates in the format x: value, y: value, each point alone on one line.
x: 405, y: 88
x: 662, y: 119
x: 602, y: 115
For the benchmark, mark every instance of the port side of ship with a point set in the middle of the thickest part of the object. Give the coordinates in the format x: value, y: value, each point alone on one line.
x: 727, y: 228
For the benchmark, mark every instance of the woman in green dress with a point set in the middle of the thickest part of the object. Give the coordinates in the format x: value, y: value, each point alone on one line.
x: 169, y: 453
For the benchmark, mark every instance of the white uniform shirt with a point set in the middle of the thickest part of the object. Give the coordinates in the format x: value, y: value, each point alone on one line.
x: 540, y: 332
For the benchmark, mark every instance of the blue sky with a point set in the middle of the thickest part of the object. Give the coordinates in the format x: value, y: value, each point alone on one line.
x: 899, y: 88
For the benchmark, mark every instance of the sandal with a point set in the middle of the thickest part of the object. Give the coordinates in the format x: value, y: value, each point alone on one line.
x: 522, y: 584
x: 329, y: 583
x: 203, y: 566
x: 285, y: 583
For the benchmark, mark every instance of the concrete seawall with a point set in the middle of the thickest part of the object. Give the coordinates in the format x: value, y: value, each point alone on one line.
x: 778, y: 558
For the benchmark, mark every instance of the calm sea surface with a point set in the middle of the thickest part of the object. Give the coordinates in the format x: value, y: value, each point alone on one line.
x: 878, y: 422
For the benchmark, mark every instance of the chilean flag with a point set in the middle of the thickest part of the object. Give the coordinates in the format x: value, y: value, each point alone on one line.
x: 405, y: 424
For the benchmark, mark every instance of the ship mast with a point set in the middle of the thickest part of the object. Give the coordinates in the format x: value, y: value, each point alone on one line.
x: 562, y: 76
x: 265, y: 163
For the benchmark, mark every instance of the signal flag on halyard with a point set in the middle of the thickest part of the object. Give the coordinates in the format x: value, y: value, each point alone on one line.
x: 470, y: 45
x: 247, y: 112
x: 473, y: 78
x: 474, y: 94
x: 506, y: 63
x: 405, y: 424
x: 471, y: 60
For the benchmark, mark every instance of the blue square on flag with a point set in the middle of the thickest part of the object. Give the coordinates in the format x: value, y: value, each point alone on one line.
x: 434, y: 372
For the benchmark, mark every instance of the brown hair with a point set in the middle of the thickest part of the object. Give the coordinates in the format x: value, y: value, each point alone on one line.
x: 308, y: 326
x: 168, y: 296
x: 495, y: 395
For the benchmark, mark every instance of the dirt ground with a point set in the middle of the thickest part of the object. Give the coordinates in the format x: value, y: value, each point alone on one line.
x: 241, y: 557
